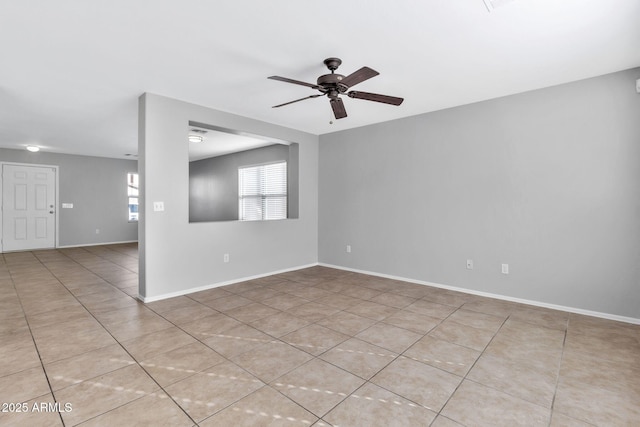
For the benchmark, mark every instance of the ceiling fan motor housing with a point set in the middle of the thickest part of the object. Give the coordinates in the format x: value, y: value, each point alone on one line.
x: 329, y: 82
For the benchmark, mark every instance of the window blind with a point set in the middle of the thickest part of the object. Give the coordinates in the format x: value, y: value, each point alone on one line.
x: 263, y: 192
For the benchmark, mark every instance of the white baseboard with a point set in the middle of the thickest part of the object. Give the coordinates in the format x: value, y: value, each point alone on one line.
x: 216, y: 285
x: 72, y: 246
x: 96, y: 244
x: 608, y: 316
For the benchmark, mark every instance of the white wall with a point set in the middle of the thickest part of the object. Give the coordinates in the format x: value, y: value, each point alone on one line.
x: 547, y: 181
x: 176, y: 256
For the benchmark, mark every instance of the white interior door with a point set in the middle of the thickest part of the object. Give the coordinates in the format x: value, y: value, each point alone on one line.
x: 28, y: 207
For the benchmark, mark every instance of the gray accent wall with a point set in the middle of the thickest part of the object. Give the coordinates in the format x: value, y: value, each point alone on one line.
x: 96, y: 186
x: 213, y: 182
x: 177, y: 256
x: 546, y: 181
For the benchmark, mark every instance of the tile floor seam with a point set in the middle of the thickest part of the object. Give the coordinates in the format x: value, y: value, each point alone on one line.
x: 368, y: 381
x: 507, y: 393
x: 253, y: 392
x: 393, y: 392
x: 280, y: 341
x: 138, y: 363
x: 69, y: 290
x: 230, y: 361
x: 35, y: 344
x: 464, y: 378
x: 346, y: 397
x: 314, y: 357
x: 399, y: 355
x: 100, y: 256
x: 334, y: 406
x: 102, y: 413
x: 510, y: 394
x: 555, y: 391
x: 264, y: 384
x: 117, y: 341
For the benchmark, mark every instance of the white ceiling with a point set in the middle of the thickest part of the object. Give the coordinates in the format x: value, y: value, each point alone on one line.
x: 71, y: 71
x: 216, y: 143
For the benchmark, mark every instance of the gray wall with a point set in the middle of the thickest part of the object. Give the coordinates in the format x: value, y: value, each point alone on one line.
x: 213, y: 182
x: 96, y: 186
x: 547, y: 181
x: 177, y: 256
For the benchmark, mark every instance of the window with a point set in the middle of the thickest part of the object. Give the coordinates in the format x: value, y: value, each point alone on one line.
x: 132, y: 193
x: 263, y: 192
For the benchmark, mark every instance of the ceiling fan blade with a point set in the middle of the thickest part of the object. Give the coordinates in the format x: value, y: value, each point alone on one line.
x: 297, y: 100
x: 364, y: 73
x: 393, y: 100
x: 338, y: 108
x: 297, y: 82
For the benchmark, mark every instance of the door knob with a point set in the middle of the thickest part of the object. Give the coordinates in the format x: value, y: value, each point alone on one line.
x: 50, y: 212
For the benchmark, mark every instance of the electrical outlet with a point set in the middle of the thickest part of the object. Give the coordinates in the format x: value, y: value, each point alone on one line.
x: 97, y: 231
x: 469, y: 264
x: 226, y: 258
x: 505, y: 268
x: 348, y: 249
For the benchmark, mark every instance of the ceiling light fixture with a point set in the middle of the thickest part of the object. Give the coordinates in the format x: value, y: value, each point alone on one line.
x: 195, y: 138
x: 33, y: 148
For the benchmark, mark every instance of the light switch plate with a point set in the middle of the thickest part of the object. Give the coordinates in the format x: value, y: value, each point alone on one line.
x: 158, y: 206
x: 67, y: 206
x: 505, y: 268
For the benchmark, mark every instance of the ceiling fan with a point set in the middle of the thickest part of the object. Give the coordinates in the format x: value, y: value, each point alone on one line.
x: 332, y: 85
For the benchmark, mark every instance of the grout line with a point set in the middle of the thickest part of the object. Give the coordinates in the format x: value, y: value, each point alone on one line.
x: 464, y: 377
x: 555, y: 391
x: 106, y: 330
x: 124, y: 348
x: 35, y: 344
x: 279, y: 340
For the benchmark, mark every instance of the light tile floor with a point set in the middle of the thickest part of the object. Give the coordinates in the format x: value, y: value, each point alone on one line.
x: 316, y: 347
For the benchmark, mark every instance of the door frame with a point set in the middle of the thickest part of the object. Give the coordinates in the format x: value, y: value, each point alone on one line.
x: 56, y: 170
